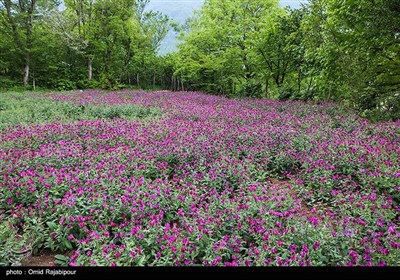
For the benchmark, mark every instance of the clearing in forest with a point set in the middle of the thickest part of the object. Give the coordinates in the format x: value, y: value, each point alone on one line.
x: 182, y: 178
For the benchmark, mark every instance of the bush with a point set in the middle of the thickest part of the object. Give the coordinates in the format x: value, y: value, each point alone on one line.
x: 119, y: 111
x: 64, y: 84
x: 7, y: 83
x: 285, y: 93
x: 387, y: 109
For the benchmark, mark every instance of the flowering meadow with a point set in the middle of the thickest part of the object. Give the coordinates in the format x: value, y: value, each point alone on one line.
x: 186, y: 179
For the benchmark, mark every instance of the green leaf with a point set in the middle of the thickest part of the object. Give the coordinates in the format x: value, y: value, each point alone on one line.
x: 51, y: 225
x: 141, y: 261
x: 62, y: 258
x: 68, y: 244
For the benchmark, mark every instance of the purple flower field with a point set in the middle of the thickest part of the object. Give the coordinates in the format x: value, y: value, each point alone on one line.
x: 209, y: 181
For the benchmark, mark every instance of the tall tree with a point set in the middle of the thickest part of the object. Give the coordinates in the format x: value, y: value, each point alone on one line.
x: 152, y: 27
x: 219, y: 51
x: 90, y: 43
x: 18, y: 20
x: 357, y: 46
x: 82, y: 14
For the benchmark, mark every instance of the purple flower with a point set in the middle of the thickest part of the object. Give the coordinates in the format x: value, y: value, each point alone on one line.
x: 316, y: 245
x: 354, y: 256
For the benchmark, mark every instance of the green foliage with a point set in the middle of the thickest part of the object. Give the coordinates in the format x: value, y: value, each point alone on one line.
x: 118, y: 111
x: 12, y: 244
x: 219, y: 53
x: 328, y: 50
x: 64, y: 84
x: 340, y: 50
x: 358, y: 50
x: 61, y: 260
x: 119, y: 39
x: 28, y: 108
x: 281, y: 164
x: 7, y: 83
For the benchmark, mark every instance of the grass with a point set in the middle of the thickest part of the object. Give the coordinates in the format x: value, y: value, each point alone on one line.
x: 22, y: 108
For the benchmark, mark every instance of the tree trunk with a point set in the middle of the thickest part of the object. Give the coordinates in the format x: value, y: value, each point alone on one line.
x: 127, y: 61
x: 90, y: 69
x: 29, y: 40
x: 154, y: 79
x: 138, y: 79
x: 26, y: 70
x: 33, y: 80
x: 174, y: 83
x: 299, y: 81
x: 309, y: 86
x: 23, y: 46
x: 267, y: 88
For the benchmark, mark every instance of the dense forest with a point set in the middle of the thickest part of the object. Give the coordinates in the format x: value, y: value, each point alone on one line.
x: 89, y: 44
x: 342, y: 50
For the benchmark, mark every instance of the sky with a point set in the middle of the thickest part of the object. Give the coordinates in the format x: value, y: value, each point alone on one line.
x: 180, y: 10
x: 292, y: 3
x: 175, y: 8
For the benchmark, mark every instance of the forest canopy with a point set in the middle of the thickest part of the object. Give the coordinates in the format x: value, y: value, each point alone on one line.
x: 342, y: 50
x: 89, y: 44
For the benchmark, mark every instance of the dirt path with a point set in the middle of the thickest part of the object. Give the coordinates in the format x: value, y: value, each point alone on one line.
x: 46, y: 258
